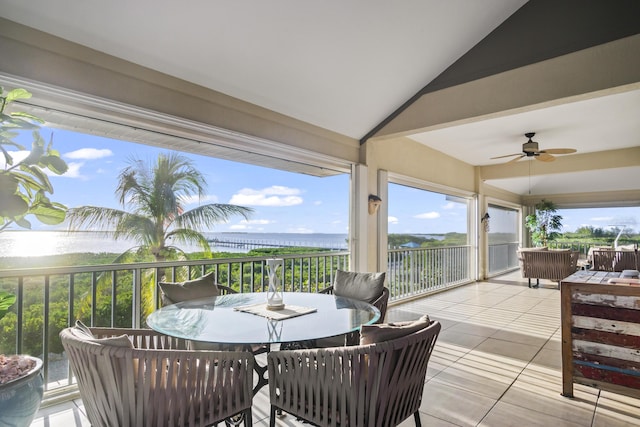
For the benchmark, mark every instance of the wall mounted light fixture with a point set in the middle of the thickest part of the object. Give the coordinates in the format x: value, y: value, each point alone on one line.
x: 485, y: 221
x: 374, y: 203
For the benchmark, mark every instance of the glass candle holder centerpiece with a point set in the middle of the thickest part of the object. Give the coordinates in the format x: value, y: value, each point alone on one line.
x: 275, y: 268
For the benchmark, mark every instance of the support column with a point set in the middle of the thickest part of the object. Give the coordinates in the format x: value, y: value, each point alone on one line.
x: 359, y: 217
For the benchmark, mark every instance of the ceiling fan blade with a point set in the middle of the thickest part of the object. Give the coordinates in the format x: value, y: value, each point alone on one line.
x: 508, y: 155
x: 559, y: 151
x: 545, y: 157
x: 516, y: 159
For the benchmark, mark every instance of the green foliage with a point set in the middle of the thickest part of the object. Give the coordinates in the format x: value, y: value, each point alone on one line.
x: 447, y: 239
x: 24, y: 185
x: 274, y: 252
x: 6, y: 301
x: 544, y: 224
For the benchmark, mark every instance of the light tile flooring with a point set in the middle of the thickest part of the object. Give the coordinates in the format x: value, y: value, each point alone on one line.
x: 496, y: 363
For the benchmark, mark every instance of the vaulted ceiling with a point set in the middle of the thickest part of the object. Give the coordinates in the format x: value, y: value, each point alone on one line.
x: 418, y: 69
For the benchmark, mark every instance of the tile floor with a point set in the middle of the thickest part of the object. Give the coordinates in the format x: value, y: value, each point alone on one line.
x: 496, y: 363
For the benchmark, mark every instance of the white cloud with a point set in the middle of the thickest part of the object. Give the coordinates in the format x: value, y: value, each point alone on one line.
x: 88, y: 154
x: 272, y: 196
x: 17, y: 157
x: 392, y: 220
x: 337, y: 221
x: 317, y: 202
x: 450, y: 205
x: 602, y: 218
x: 428, y: 215
x: 194, y: 199
x: 72, y: 172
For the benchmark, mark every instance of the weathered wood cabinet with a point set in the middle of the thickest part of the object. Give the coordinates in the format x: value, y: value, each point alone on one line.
x: 600, y: 333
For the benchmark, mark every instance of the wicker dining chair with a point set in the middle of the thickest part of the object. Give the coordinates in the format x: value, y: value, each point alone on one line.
x: 380, y: 302
x: 603, y: 260
x: 368, y: 287
x: 372, y: 385
x: 138, y: 377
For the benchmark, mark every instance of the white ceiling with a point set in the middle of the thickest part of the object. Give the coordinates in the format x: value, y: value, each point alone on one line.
x: 594, y: 125
x: 603, y: 123
x: 341, y: 65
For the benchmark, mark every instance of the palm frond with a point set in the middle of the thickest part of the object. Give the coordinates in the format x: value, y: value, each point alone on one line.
x: 95, y: 217
x: 138, y: 228
x: 207, y: 216
x: 189, y: 237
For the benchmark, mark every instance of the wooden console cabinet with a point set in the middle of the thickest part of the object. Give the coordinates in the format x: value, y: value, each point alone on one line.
x: 600, y: 333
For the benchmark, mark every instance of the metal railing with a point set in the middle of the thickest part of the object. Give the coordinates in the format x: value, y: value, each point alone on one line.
x: 416, y: 271
x: 122, y: 295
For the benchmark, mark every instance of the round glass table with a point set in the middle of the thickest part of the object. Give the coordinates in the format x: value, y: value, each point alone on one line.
x: 216, y: 320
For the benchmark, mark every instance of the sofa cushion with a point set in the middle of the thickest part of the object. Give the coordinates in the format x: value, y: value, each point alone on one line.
x: 360, y: 286
x: 371, y: 334
x: 202, y: 287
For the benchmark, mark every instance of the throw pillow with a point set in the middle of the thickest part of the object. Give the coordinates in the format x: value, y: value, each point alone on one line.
x: 202, y: 287
x: 371, y: 334
x: 82, y: 331
x: 360, y: 286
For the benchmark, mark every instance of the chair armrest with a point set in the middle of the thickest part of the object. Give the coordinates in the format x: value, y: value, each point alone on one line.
x: 142, y: 338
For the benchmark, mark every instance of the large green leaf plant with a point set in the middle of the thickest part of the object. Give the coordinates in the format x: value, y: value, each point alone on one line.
x: 544, y: 224
x: 24, y: 184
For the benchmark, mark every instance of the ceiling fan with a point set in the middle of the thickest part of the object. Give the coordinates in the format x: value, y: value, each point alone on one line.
x: 531, y: 149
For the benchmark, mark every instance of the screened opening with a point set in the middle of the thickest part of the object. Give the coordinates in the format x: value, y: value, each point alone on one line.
x: 503, y: 238
x: 428, y: 240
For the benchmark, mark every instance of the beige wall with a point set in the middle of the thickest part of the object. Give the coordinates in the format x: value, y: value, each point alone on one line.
x: 407, y: 157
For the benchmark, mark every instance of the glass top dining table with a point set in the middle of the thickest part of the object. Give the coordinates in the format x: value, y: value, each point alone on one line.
x: 216, y: 320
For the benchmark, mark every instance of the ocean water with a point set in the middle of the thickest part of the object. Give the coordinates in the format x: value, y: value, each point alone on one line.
x: 42, y: 243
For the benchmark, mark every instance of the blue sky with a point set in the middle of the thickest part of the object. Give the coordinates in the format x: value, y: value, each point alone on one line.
x: 283, y: 202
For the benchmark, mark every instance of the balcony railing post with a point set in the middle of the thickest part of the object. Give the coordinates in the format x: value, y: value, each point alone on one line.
x: 136, y: 309
x: 20, y: 314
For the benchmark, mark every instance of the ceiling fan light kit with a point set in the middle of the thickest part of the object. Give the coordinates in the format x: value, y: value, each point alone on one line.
x: 532, y: 149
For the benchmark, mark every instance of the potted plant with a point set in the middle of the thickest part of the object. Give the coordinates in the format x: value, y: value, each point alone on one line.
x: 544, y: 224
x: 24, y: 190
x: 21, y: 381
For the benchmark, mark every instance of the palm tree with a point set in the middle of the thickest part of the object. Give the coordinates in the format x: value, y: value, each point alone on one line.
x: 154, y: 195
x: 157, y: 221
